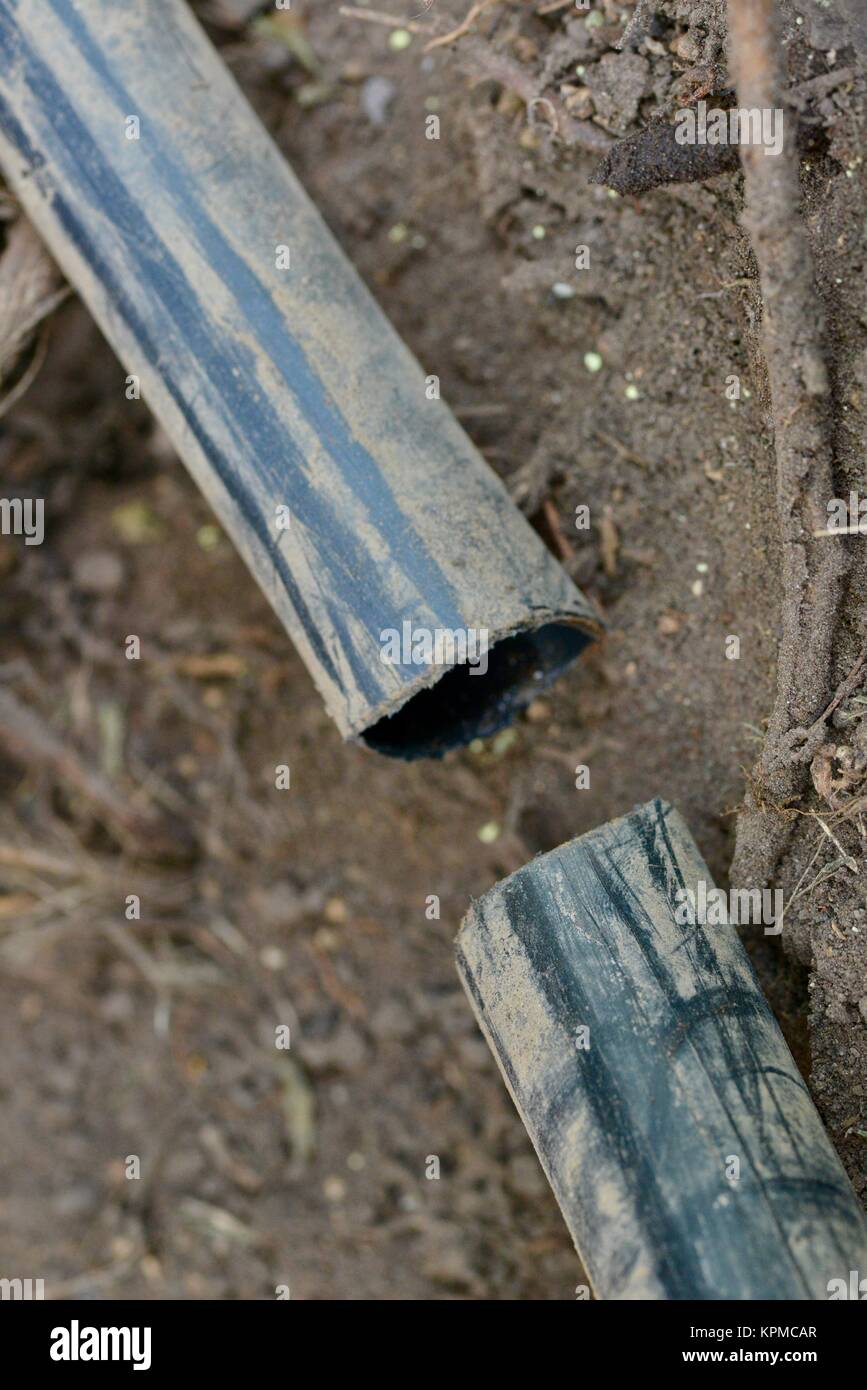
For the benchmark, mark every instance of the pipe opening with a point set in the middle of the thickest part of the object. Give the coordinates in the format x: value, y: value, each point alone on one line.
x: 463, y: 706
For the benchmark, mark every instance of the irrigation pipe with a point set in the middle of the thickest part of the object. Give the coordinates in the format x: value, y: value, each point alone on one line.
x: 425, y: 606
x: 675, y: 1129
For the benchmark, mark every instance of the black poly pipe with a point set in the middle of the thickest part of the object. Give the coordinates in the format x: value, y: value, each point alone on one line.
x: 671, y: 1120
x: 425, y: 606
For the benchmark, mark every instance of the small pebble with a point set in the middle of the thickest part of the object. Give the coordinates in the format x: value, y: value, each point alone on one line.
x: 150, y: 1268
x: 324, y: 939
x: 99, y: 572
x: 538, y: 712
x: 273, y: 958
x: 669, y: 623
x: 334, y: 1189
x: 137, y: 523
x: 377, y: 95
x: 208, y: 537
x: 593, y: 362
x: 503, y: 742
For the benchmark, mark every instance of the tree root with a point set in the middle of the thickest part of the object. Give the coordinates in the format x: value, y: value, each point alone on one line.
x: 793, y: 335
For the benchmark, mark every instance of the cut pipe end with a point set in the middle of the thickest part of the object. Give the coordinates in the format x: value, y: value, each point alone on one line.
x: 670, y: 1118
x: 465, y: 704
x: 289, y: 391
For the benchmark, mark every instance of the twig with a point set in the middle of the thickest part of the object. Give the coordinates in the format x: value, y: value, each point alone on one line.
x: 796, y: 890
x: 552, y: 518
x: 819, y: 86
x: 844, y: 690
x: 28, y: 739
x: 850, y: 863
x: 827, y: 872
x: 162, y: 976
x: 464, y: 27
x: 621, y: 449
x: 26, y: 380
x: 37, y: 861
x: 379, y: 17
x: 343, y: 996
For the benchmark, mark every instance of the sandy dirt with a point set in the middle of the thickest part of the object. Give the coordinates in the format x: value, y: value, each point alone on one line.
x: 603, y: 387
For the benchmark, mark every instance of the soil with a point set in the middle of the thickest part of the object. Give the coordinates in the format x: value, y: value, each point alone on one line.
x: 604, y: 387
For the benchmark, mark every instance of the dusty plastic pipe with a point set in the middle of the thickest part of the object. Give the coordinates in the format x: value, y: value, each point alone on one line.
x: 680, y: 1139
x: 426, y: 608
